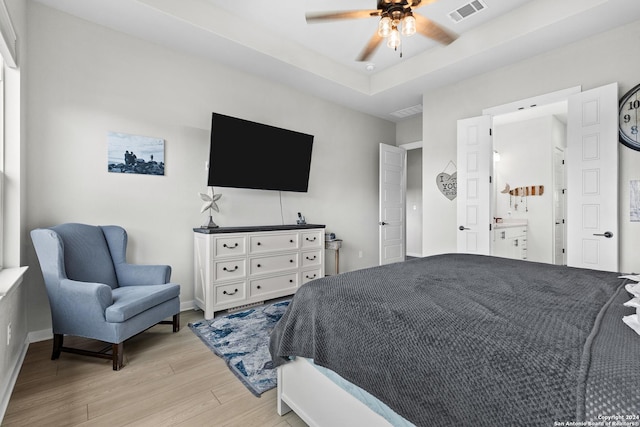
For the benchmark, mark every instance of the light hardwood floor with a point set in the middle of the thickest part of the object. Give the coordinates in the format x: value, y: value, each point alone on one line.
x: 168, y: 380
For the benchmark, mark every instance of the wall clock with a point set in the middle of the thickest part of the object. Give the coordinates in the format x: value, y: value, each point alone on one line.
x: 629, y: 118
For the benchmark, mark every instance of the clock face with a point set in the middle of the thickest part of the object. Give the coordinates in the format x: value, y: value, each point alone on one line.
x: 629, y: 118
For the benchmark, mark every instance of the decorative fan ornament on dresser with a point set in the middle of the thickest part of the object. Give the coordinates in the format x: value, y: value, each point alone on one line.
x: 396, y: 18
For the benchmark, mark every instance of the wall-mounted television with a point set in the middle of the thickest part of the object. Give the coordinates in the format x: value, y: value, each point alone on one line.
x: 246, y: 154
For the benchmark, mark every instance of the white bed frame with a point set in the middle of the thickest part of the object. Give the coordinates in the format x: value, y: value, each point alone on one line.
x: 318, y: 401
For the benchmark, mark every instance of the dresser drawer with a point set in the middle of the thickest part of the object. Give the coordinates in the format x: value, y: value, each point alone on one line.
x: 273, y: 263
x: 269, y: 285
x: 273, y: 242
x: 311, y: 239
x: 229, y: 246
x: 230, y: 269
x: 230, y: 292
x: 311, y: 258
x: 309, y: 275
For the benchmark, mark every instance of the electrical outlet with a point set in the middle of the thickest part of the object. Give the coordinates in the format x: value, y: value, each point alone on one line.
x: 9, y: 334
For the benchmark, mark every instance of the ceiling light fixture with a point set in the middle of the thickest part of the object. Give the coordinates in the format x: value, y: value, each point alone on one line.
x: 392, y: 19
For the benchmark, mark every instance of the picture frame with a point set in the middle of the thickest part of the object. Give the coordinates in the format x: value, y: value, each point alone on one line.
x: 135, y: 154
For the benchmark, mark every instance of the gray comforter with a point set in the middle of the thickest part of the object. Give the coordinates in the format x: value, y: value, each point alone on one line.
x: 466, y: 340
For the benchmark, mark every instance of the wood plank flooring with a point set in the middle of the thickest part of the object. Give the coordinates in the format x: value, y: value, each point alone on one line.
x: 168, y: 380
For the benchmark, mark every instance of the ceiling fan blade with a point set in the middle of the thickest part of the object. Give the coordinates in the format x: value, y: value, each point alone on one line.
x: 315, y: 17
x: 373, y: 44
x: 420, y: 3
x: 430, y: 29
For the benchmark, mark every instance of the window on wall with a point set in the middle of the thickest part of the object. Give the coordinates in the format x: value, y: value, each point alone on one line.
x: 1, y: 163
x: 8, y: 58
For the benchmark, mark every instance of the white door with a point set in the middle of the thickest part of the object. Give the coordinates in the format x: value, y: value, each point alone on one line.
x: 474, y: 185
x: 393, y: 183
x: 592, y: 179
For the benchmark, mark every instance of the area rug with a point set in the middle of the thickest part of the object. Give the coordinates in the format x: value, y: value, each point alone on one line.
x: 242, y: 340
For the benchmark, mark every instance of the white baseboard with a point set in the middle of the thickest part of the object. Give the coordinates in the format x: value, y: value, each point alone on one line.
x: 188, y: 305
x: 42, y: 335
x: 8, y: 388
x: 414, y: 255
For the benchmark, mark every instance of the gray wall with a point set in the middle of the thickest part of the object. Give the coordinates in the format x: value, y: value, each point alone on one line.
x: 591, y: 63
x: 86, y: 80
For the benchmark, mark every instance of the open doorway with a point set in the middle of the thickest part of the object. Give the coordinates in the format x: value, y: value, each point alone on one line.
x: 414, y: 202
x: 529, y: 182
x: 414, y: 199
x: 592, y: 165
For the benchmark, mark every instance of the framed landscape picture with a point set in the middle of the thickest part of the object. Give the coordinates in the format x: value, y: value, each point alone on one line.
x: 135, y: 154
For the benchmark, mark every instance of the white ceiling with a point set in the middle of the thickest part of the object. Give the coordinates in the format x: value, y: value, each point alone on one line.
x: 272, y: 39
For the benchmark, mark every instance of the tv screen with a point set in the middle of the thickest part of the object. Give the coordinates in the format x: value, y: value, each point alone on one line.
x: 246, y: 154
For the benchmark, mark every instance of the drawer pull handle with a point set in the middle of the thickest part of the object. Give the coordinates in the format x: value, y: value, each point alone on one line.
x: 310, y: 240
x: 311, y: 277
x: 311, y: 259
x: 258, y: 243
x: 259, y: 265
x: 258, y: 287
x: 290, y: 260
x: 235, y: 291
x: 291, y: 241
x: 290, y: 280
x: 230, y: 247
x: 230, y: 271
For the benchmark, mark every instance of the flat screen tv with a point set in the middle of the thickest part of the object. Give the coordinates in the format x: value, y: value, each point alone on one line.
x: 246, y: 154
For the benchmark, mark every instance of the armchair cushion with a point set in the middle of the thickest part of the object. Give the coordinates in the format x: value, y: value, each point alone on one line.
x: 129, y: 301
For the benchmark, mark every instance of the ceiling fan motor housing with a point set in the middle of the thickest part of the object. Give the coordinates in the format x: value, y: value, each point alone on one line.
x: 384, y: 4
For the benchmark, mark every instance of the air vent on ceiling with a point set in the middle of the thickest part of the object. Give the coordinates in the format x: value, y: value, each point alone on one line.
x: 467, y: 10
x: 407, y: 112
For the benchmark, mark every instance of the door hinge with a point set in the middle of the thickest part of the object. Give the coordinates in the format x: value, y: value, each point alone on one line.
x: 562, y: 250
x: 490, y: 227
x: 490, y: 132
x: 489, y: 179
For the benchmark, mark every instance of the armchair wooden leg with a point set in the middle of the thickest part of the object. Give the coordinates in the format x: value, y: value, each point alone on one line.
x: 176, y: 322
x: 117, y: 350
x: 57, y: 346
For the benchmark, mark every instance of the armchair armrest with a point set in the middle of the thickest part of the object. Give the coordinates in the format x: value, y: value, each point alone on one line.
x: 81, y: 301
x: 137, y: 275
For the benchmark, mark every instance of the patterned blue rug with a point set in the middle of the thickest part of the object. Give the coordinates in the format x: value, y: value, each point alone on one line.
x: 242, y: 340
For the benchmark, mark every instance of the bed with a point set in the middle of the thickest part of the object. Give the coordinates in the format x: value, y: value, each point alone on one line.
x: 460, y: 340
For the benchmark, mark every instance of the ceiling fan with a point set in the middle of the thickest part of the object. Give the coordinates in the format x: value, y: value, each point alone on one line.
x: 396, y: 17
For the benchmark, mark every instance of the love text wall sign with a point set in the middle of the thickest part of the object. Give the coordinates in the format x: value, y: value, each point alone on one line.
x: 448, y: 184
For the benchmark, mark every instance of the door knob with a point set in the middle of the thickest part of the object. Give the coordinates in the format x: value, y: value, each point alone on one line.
x: 462, y: 228
x: 606, y: 234
x: 383, y: 223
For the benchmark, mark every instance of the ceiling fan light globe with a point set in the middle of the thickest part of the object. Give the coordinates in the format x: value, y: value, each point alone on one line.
x: 384, y: 27
x: 408, y: 25
x: 394, y: 39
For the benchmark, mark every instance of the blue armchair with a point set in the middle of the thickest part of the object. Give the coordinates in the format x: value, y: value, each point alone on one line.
x: 94, y: 293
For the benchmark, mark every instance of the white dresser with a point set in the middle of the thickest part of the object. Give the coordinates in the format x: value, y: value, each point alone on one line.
x: 236, y: 266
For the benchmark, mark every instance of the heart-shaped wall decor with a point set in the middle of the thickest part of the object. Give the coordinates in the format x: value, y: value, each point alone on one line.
x: 448, y: 184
